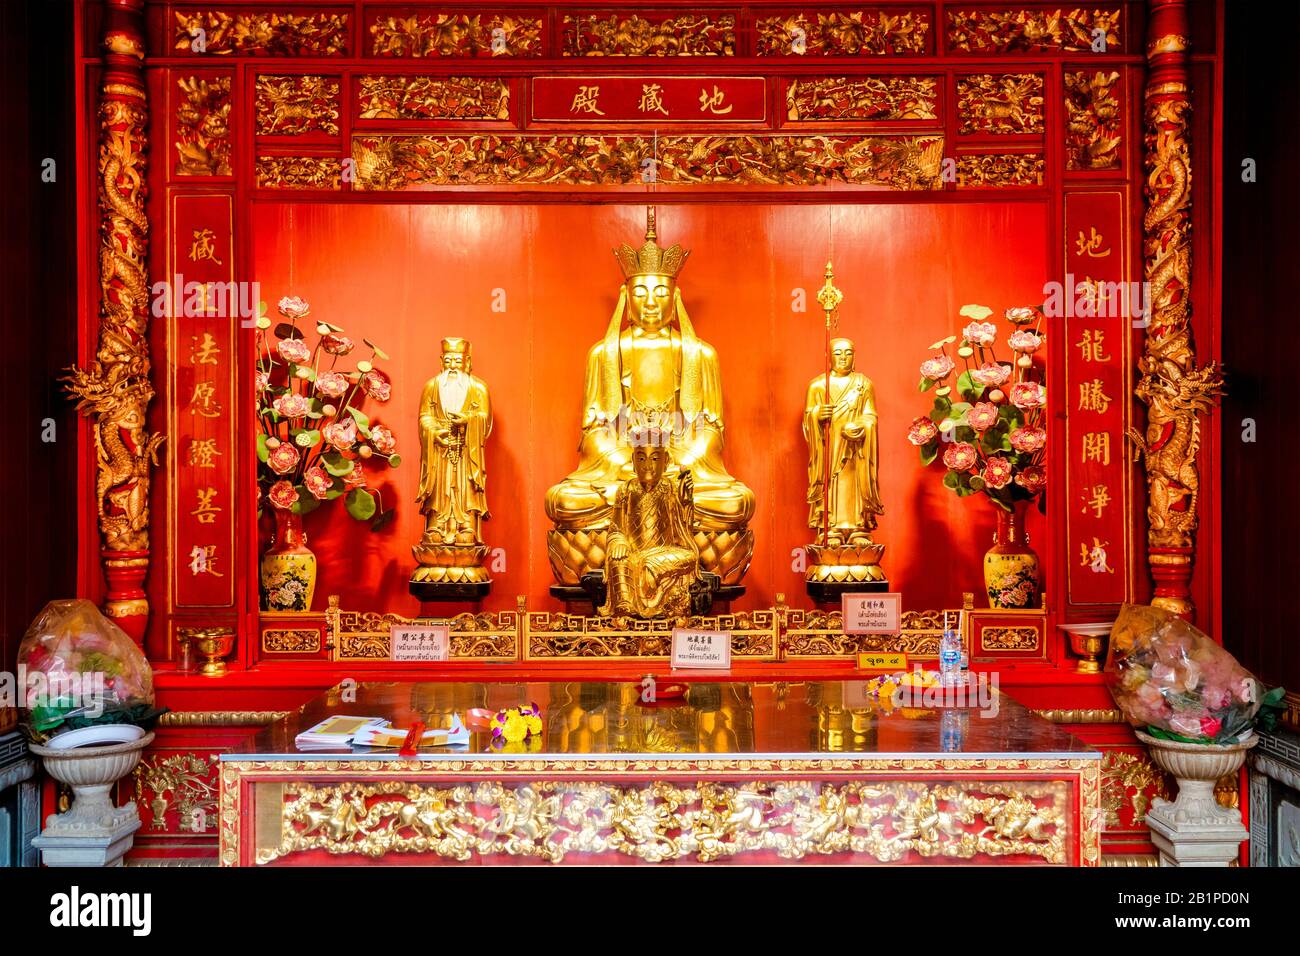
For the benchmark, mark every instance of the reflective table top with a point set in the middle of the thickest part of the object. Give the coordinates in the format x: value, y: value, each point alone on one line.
x: 599, y: 720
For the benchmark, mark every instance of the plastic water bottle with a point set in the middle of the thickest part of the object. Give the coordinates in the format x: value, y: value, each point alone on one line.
x: 949, y: 659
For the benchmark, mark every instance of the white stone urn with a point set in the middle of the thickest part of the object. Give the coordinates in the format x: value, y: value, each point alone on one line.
x: 93, y: 832
x: 1195, y: 829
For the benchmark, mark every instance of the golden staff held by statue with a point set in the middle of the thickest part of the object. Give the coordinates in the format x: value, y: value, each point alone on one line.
x: 830, y: 297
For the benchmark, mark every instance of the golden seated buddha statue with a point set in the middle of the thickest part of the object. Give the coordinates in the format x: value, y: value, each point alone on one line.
x: 653, y: 374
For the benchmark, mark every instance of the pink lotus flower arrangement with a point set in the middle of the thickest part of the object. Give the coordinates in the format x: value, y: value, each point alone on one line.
x: 1175, y: 683
x: 992, y: 439
x: 314, y: 435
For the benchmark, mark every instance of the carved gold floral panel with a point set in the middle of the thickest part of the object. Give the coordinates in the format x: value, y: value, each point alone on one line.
x: 1009, y: 638
x: 292, y: 105
x: 453, y: 34
x: 1129, y: 782
x: 177, y: 792
x: 615, y: 34
x: 829, y: 98
x: 998, y: 170
x: 400, y: 162
x: 1094, y: 124
x: 1000, y: 103
x: 656, y: 822
x: 259, y: 33
x: 299, y: 172
x: 1037, y: 30
x: 869, y: 32
x: 291, y: 641
x: 203, y: 126
x: 433, y: 97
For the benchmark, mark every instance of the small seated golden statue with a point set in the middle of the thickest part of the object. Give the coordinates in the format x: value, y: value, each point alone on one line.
x: 455, y: 421
x: 839, y: 424
x: 652, y: 374
x: 651, y: 561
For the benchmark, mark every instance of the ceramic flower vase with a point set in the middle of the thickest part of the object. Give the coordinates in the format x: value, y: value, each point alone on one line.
x: 1012, y: 576
x: 288, y: 571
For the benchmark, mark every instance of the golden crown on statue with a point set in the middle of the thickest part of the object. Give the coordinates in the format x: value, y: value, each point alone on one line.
x: 651, y: 258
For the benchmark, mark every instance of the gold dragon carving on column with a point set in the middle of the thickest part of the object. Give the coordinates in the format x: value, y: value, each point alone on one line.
x: 116, y: 390
x: 1175, y: 389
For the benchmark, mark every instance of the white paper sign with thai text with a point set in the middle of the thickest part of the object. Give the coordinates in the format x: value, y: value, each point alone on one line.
x: 424, y: 642
x: 873, y: 613
x: 701, y: 649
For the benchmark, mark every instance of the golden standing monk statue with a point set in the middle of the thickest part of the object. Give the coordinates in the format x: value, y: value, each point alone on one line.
x: 849, y: 414
x: 839, y: 424
x: 455, y: 421
x: 651, y: 560
x: 650, y: 371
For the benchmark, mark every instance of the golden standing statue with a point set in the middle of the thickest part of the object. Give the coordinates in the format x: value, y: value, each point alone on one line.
x: 839, y: 424
x: 651, y: 372
x: 455, y: 421
x: 651, y: 559
x: 849, y: 413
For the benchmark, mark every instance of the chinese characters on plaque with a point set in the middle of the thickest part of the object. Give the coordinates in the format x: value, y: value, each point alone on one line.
x: 656, y: 99
x: 202, y: 407
x: 1103, y: 308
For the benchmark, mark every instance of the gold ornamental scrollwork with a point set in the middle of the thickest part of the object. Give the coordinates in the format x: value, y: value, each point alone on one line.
x: 843, y: 33
x: 1009, y: 638
x: 1000, y: 170
x: 396, y: 162
x: 257, y: 33
x: 299, y: 172
x: 203, y: 126
x: 291, y: 641
x: 187, y: 780
x: 456, y: 35
x: 1129, y: 780
x: 830, y: 98
x: 1093, y: 119
x: 433, y: 97
x: 992, y: 31
x: 551, y: 635
x: 818, y: 633
x: 295, y: 104
x: 688, y: 34
x: 660, y: 821
x: 1000, y: 103
x: 367, y: 635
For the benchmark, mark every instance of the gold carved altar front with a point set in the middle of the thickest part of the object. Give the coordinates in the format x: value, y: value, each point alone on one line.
x: 758, y: 773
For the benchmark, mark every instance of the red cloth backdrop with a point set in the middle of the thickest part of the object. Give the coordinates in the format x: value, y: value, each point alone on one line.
x: 405, y: 276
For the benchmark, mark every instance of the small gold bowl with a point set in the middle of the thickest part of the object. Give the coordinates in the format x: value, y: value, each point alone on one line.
x: 214, y: 644
x: 1088, y: 643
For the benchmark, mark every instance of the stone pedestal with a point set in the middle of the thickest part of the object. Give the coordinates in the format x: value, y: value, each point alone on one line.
x: 99, y: 846
x: 1194, y: 829
x: 94, y: 832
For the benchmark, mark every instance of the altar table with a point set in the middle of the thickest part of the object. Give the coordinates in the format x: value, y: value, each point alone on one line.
x: 758, y: 773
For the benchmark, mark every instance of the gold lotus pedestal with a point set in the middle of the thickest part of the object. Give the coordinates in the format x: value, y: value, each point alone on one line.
x: 450, y: 572
x: 836, y: 570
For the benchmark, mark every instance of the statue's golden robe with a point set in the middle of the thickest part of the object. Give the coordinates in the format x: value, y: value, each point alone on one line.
x: 451, y: 491
x: 654, y: 579
x: 611, y: 409
x: 855, y: 462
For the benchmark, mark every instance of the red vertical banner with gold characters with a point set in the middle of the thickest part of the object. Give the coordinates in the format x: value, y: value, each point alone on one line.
x: 204, y: 314
x: 1098, y: 307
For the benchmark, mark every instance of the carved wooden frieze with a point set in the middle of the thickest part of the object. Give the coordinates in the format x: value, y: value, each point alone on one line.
x: 992, y: 31
x: 456, y: 34
x: 296, y: 104
x: 202, y: 126
x: 433, y: 97
x: 841, y: 98
x: 649, y: 34
x: 394, y: 162
x: 1093, y: 119
x: 226, y: 32
x: 299, y: 172
x: 861, y: 32
x: 1000, y: 103
x: 1000, y: 170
